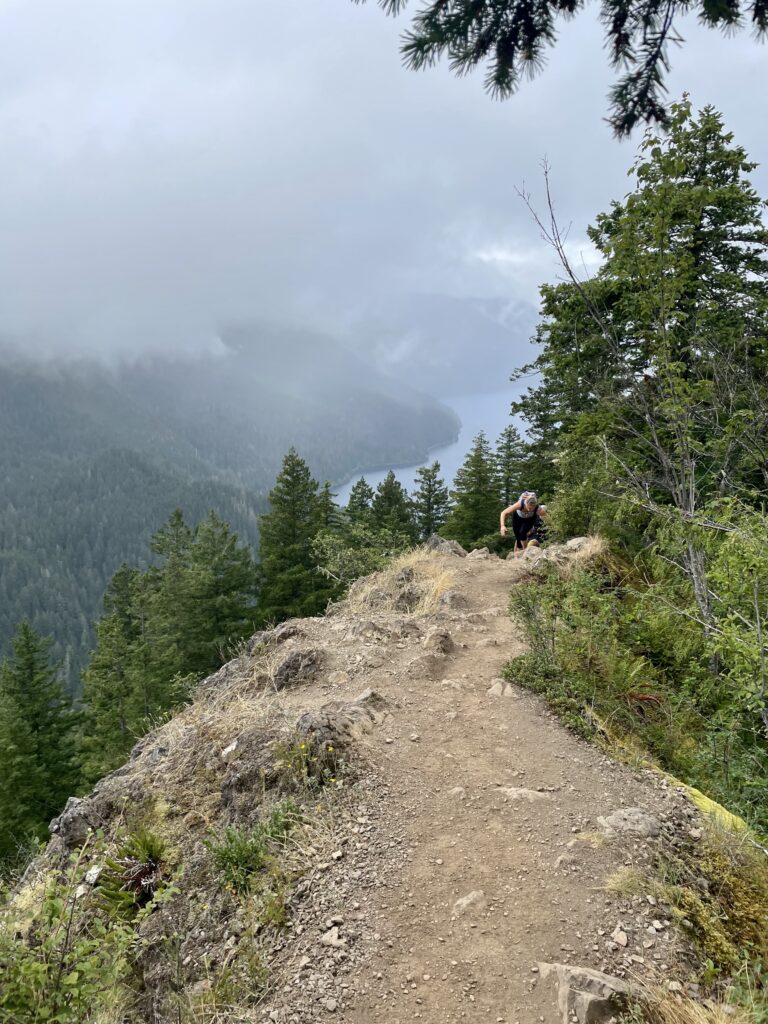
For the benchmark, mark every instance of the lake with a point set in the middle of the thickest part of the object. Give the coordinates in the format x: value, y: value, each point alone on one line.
x: 488, y: 412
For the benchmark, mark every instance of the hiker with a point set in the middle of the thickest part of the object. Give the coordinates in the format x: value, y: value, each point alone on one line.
x: 526, y: 520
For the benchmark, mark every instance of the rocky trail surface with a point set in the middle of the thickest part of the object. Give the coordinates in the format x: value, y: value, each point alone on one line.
x: 453, y: 868
x: 486, y: 837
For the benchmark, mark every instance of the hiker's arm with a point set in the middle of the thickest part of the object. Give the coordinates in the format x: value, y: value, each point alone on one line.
x: 504, y: 514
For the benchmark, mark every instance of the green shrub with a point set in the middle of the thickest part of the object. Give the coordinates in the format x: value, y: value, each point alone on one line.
x: 132, y: 878
x: 357, y: 550
x: 616, y: 650
x: 242, y: 854
x: 71, y: 965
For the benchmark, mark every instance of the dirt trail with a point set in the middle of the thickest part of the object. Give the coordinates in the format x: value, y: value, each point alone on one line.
x: 495, y: 863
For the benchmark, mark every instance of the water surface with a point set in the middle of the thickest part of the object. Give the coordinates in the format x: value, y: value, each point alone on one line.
x: 488, y: 412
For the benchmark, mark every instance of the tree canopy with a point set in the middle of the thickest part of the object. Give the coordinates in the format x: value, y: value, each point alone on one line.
x: 511, y: 38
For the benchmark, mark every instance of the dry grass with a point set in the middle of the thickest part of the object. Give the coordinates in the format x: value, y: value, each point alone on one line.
x: 593, y: 839
x: 664, y: 1008
x: 629, y: 882
x: 382, y: 592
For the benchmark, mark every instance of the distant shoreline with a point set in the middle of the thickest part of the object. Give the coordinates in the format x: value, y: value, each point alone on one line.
x: 397, y: 465
x: 471, y: 412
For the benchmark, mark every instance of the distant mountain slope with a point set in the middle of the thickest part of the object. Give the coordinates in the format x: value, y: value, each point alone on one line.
x: 94, y: 460
x: 63, y: 537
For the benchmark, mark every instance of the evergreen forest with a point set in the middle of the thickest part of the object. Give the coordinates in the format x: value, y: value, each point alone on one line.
x: 94, y: 460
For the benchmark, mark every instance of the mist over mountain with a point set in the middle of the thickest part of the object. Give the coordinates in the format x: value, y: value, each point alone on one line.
x: 448, y: 345
x: 95, y: 458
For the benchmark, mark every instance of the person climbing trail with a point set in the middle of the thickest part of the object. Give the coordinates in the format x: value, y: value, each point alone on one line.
x: 527, y: 515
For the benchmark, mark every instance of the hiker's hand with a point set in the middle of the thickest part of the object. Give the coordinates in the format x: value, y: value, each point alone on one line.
x: 503, y: 531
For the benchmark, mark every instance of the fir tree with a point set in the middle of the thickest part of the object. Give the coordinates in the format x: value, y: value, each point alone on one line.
x: 115, y: 677
x: 163, y: 629
x: 220, y: 596
x: 430, y: 501
x: 292, y: 584
x: 328, y: 512
x: 360, y: 502
x: 476, y: 497
x: 512, y: 39
x: 510, y: 465
x: 41, y: 724
x: 22, y: 781
x: 391, y: 510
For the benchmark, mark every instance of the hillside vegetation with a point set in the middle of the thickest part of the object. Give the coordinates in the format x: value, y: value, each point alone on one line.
x: 648, y: 421
x: 93, y: 461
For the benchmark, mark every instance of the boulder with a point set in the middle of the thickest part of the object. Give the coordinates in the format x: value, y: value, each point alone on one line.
x: 630, y: 820
x: 453, y: 599
x: 444, y: 547
x: 75, y: 823
x: 438, y: 640
x: 500, y: 688
x: 586, y: 995
x: 576, y: 543
x: 531, y: 795
x: 259, y: 640
x: 298, y: 668
x: 477, y: 553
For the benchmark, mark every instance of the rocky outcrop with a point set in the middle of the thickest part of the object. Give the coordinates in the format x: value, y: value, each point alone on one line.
x: 340, y: 723
x: 298, y: 668
x: 586, y: 995
x: 75, y: 823
x: 249, y: 773
x: 631, y: 820
x: 444, y: 547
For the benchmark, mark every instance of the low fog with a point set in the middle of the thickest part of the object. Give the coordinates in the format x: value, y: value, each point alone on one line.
x: 169, y: 168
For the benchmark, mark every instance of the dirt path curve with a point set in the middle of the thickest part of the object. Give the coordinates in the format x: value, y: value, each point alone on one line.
x: 492, y: 806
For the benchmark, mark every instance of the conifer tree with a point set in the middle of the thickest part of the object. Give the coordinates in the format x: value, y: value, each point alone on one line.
x: 360, y: 501
x: 475, y: 495
x: 292, y: 584
x: 41, y: 724
x: 510, y: 465
x: 328, y: 512
x: 21, y: 781
x: 115, y: 681
x: 430, y: 501
x: 163, y: 629
x: 511, y: 37
x: 220, y: 597
x: 391, y: 510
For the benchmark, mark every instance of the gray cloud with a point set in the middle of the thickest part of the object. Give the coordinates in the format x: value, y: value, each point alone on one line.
x: 170, y: 166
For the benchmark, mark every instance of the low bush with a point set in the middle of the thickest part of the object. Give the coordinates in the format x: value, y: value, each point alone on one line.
x: 133, y: 877
x: 610, y: 650
x: 63, y: 956
x: 242, y: 856
x: 306, y: 763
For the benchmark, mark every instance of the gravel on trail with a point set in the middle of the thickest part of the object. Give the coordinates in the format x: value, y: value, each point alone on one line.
x: 474, y: 847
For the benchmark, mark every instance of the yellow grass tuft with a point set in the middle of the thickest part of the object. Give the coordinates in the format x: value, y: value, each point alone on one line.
x: 664, y: 1008
x: 629, y: 882
x: 381, y: 591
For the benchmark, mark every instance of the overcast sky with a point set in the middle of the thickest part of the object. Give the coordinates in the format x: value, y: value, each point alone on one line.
x: 168, y: 164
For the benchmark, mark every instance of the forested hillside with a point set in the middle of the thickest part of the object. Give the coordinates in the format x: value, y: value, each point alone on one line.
x: 94, y: 460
